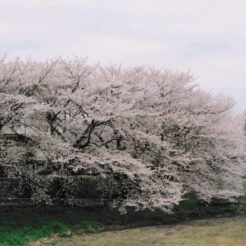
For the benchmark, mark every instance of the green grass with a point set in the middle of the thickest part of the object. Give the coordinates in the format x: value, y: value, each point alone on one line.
x: 20, y: 226
x: 18, y: 229
x: 212, y: 232
x: 21, y: 234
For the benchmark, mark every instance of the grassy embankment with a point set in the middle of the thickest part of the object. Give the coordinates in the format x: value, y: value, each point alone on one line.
x: 206, y: 232
x: 18, y: 227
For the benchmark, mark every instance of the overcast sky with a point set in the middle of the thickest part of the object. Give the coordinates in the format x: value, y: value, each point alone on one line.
x: 206, y: 37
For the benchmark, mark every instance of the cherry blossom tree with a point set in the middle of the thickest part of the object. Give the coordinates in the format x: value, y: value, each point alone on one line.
x: 151, y: 134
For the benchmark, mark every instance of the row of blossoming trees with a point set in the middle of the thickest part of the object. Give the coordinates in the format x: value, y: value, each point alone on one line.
x: 153, y: 130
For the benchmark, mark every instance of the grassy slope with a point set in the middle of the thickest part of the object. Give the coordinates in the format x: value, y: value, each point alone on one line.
x: 20, y: 235
x: 19, y: 227
x: 209, y: 232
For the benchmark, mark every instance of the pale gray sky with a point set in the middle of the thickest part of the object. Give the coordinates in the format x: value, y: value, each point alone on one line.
x: 206, y: 37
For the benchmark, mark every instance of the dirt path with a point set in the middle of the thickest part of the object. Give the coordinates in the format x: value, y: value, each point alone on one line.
x: 209, y: 232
